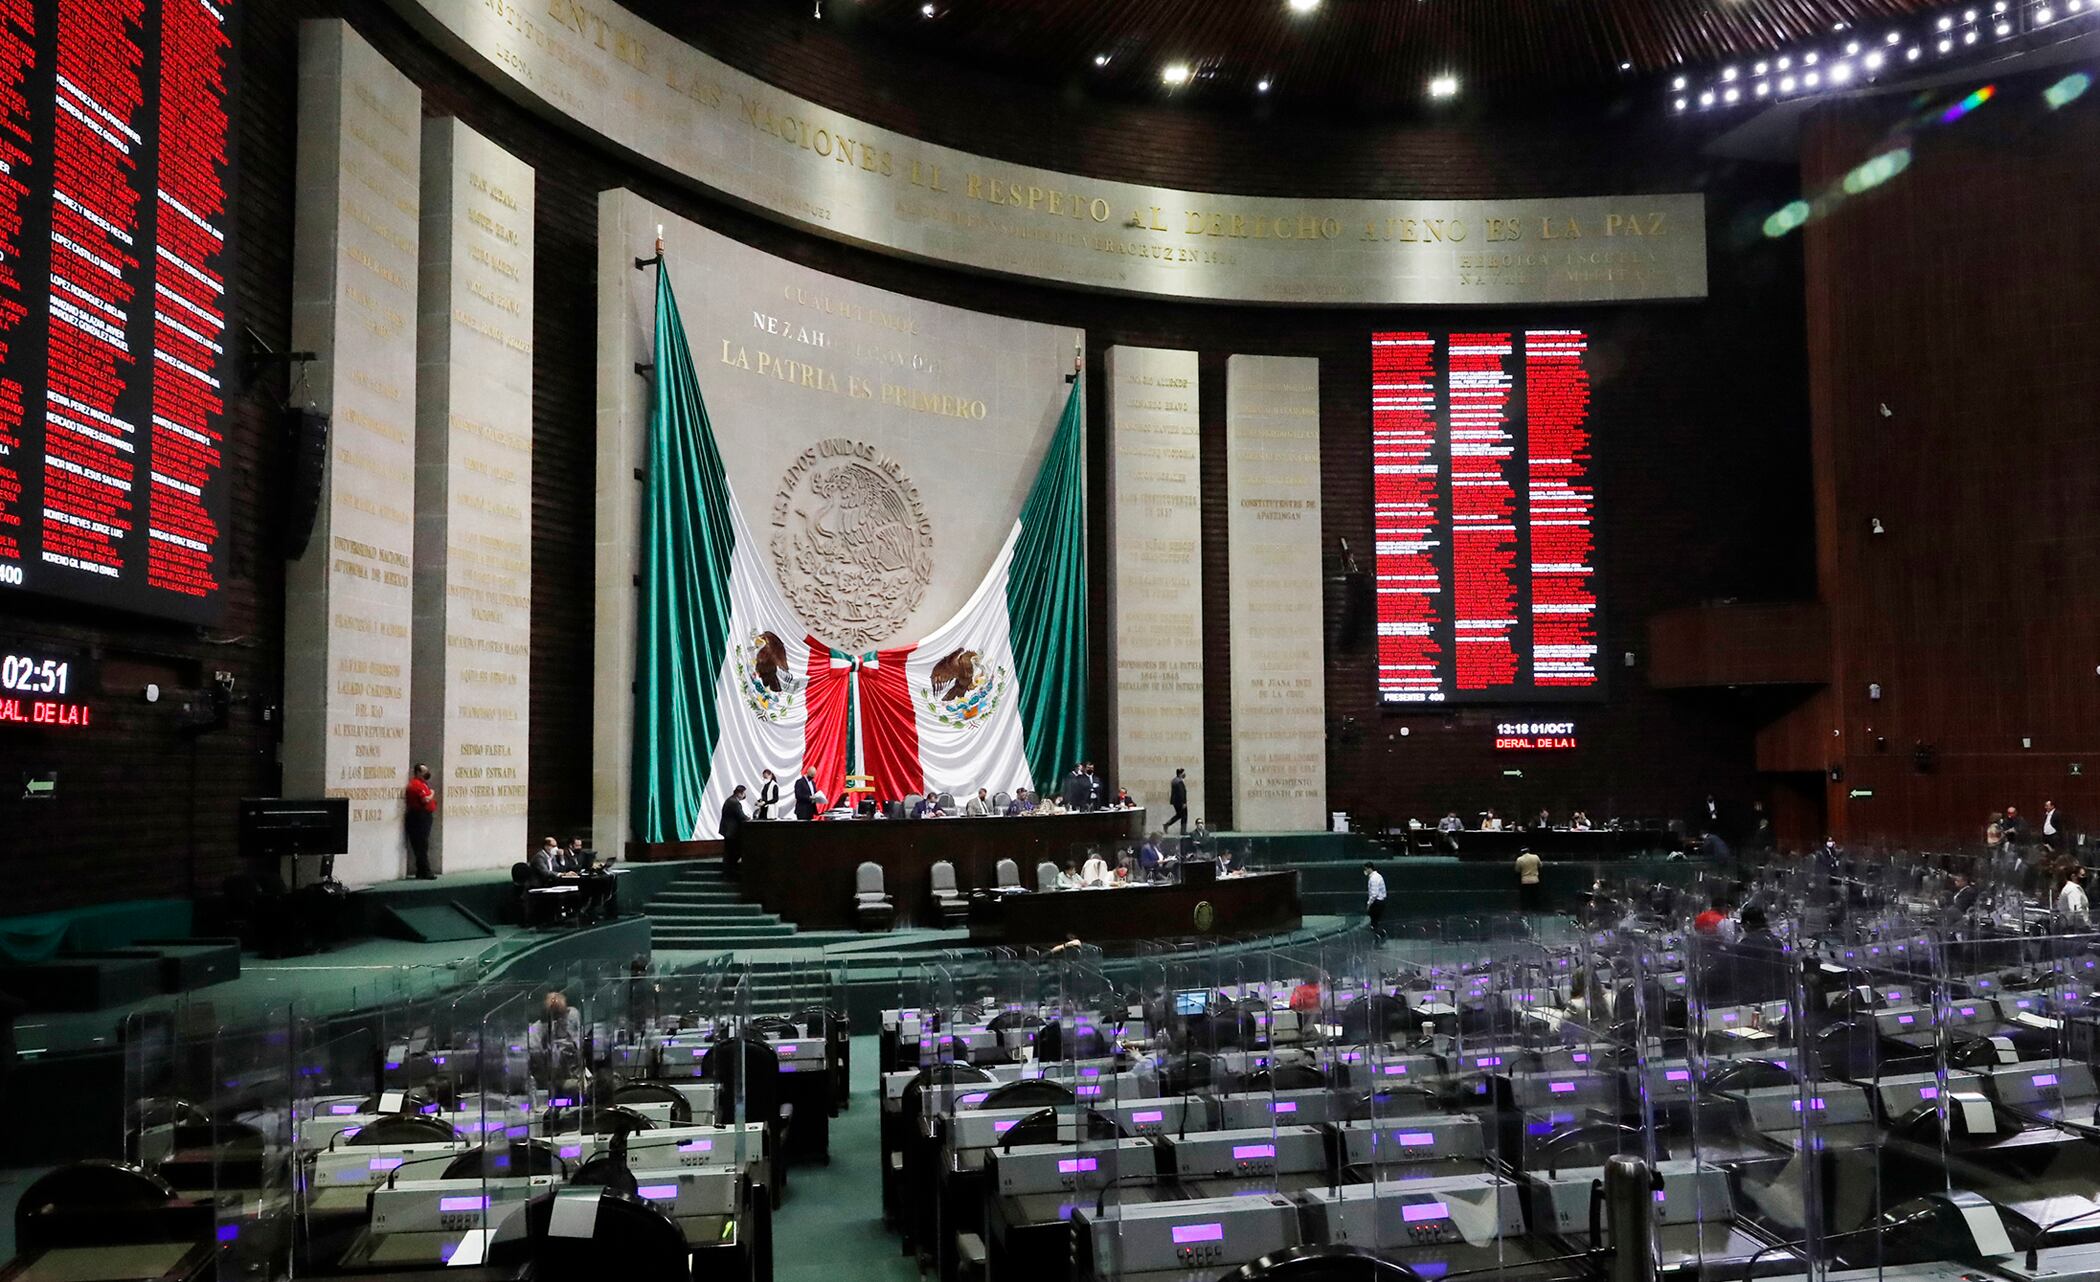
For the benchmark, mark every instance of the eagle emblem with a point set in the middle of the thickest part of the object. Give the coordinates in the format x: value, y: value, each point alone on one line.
x: 962, y: 690
x: 768, y: 685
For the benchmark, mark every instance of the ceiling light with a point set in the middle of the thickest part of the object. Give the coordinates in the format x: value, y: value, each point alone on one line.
x: 1100, y: 59
x: 1679, y: 104
x: 1763, y: 88
x: 1812, y: 79
x: 2075, y: 5
x: 1444, y: 87
x: 1841, y: 73
x: 1304, y: 6
x: 1998, y: 7
x: 1625, y: 66
x: 1731, y: 95
x: 1946, y: 24
x: 1873, y: 62
x: 2043, y: 14
x: 1175, y: 73
x: 1761, y: 68
x: 1786, y: 85
x: 1677, y: 83
x: 1968, y: 15
x: 1912, y: 54
x: 1946, y: 46
x: 1893, y: 37
x: 1728, y: 73
x: 1784, y: 63
x: 1810, y: 59
x: 2004, y: 29
x: 926, y: 11
x: 1261, y: 86
x: 1851, y: 47
x: 1968, y: 37
x: 1707, y: 99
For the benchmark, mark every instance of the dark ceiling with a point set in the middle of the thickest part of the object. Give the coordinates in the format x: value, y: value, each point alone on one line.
x: 1373, y: 54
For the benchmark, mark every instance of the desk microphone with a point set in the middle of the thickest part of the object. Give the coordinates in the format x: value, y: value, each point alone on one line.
x: 2034, y: 1245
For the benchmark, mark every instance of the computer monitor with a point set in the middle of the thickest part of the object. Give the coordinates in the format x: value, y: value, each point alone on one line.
x: 1192, y: 1001
x: 273, y: 827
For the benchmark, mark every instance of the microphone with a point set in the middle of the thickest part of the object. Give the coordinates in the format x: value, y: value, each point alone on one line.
x: 395, y: 1174
x: 2034, y: 1245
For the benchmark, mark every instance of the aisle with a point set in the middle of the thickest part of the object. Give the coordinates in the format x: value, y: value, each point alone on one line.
x: 831, y: 1227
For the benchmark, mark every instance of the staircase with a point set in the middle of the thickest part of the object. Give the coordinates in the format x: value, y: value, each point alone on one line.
x: 704, y: 910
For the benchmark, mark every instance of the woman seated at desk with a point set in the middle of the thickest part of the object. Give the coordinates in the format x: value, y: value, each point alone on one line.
x: 1094, y: 872
x: 1069, y: 878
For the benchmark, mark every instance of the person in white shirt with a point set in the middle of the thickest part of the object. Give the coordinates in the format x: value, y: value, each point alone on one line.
x: 2056, y: 828
x: 1580, y: 822
x: 2073, y: 909
x: 1094, y: 872
x: 1374, y: 900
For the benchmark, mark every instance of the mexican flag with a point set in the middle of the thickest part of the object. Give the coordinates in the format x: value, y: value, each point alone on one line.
x: 721, y: 691
x: 728, y: 682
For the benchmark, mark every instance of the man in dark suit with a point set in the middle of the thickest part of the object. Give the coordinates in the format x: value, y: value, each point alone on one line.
x: 732, y: 831
x: 1077, y: 790
x: 806, y: 796
x: 1096, y: 790
x: 1178, y: 797
x: 2057, y: 829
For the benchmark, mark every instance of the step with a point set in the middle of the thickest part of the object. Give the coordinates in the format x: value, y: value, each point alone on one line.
x: 725, y: 912
x: 688, y: 936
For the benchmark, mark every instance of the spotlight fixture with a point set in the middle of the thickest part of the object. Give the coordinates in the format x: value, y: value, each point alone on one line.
x: 1732, y: 95
x: 1913, y: 54
x: 1763, y: 88
x: 1894, y: 37
x: 1625, y: 66
x: 1679, y: 104
x: 1100, y: 59
x: 1444, y: 87
x: 2043, y: 15
x: 1946, y: 24
x: 1728, y: 73
x: 1303, y: 6
x: 1175, y: 74
x: 1762, y: 67
x: 1707, y: 99
x: 1873, y: 61
x: 1261, y: 86
x: 1841, y: 73
x: 926, y: 11
x: 1678, y: 83
x: 1968, y: 37
x: 1946, y: 46
x: 1811, y: 58
x: 1968, y: 15
x: 1851, y: 48
x: 1785, y: 63
x: 2004, y: 29
x: 1786, y: 84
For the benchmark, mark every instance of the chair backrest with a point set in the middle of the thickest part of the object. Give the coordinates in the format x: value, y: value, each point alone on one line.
x: 911, y: 804
x: 1046, y: 876
x: 867, y: 879
x: 1001, y: 800
x: 947, y: 801
x: 1009, y: 873
x: 943, y: 877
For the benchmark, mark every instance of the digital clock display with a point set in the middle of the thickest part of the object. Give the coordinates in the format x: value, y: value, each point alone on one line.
x: 29, y: 674
x: 43, y: 688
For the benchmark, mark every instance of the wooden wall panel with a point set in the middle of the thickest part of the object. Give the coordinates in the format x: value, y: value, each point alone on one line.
x: 1960, y: 297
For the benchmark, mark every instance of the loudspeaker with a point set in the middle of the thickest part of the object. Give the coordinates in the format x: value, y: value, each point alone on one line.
x: 305, y: 464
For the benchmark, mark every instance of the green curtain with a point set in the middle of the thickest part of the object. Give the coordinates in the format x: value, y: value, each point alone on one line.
x: 682, y: 629
x: 1046, y: 603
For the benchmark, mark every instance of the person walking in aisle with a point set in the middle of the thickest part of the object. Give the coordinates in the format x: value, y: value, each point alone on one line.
x: 422, y: 814
x: 1374, y: 901
x: 1178, y: 798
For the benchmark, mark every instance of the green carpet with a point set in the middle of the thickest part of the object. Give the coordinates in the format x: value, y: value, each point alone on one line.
x: 831, y: 1227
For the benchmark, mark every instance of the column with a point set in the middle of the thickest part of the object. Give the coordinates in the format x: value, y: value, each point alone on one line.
x: 473, y: 578
x: 1155, y: 717
x: 1272, y: 497
x: 349, y: 599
